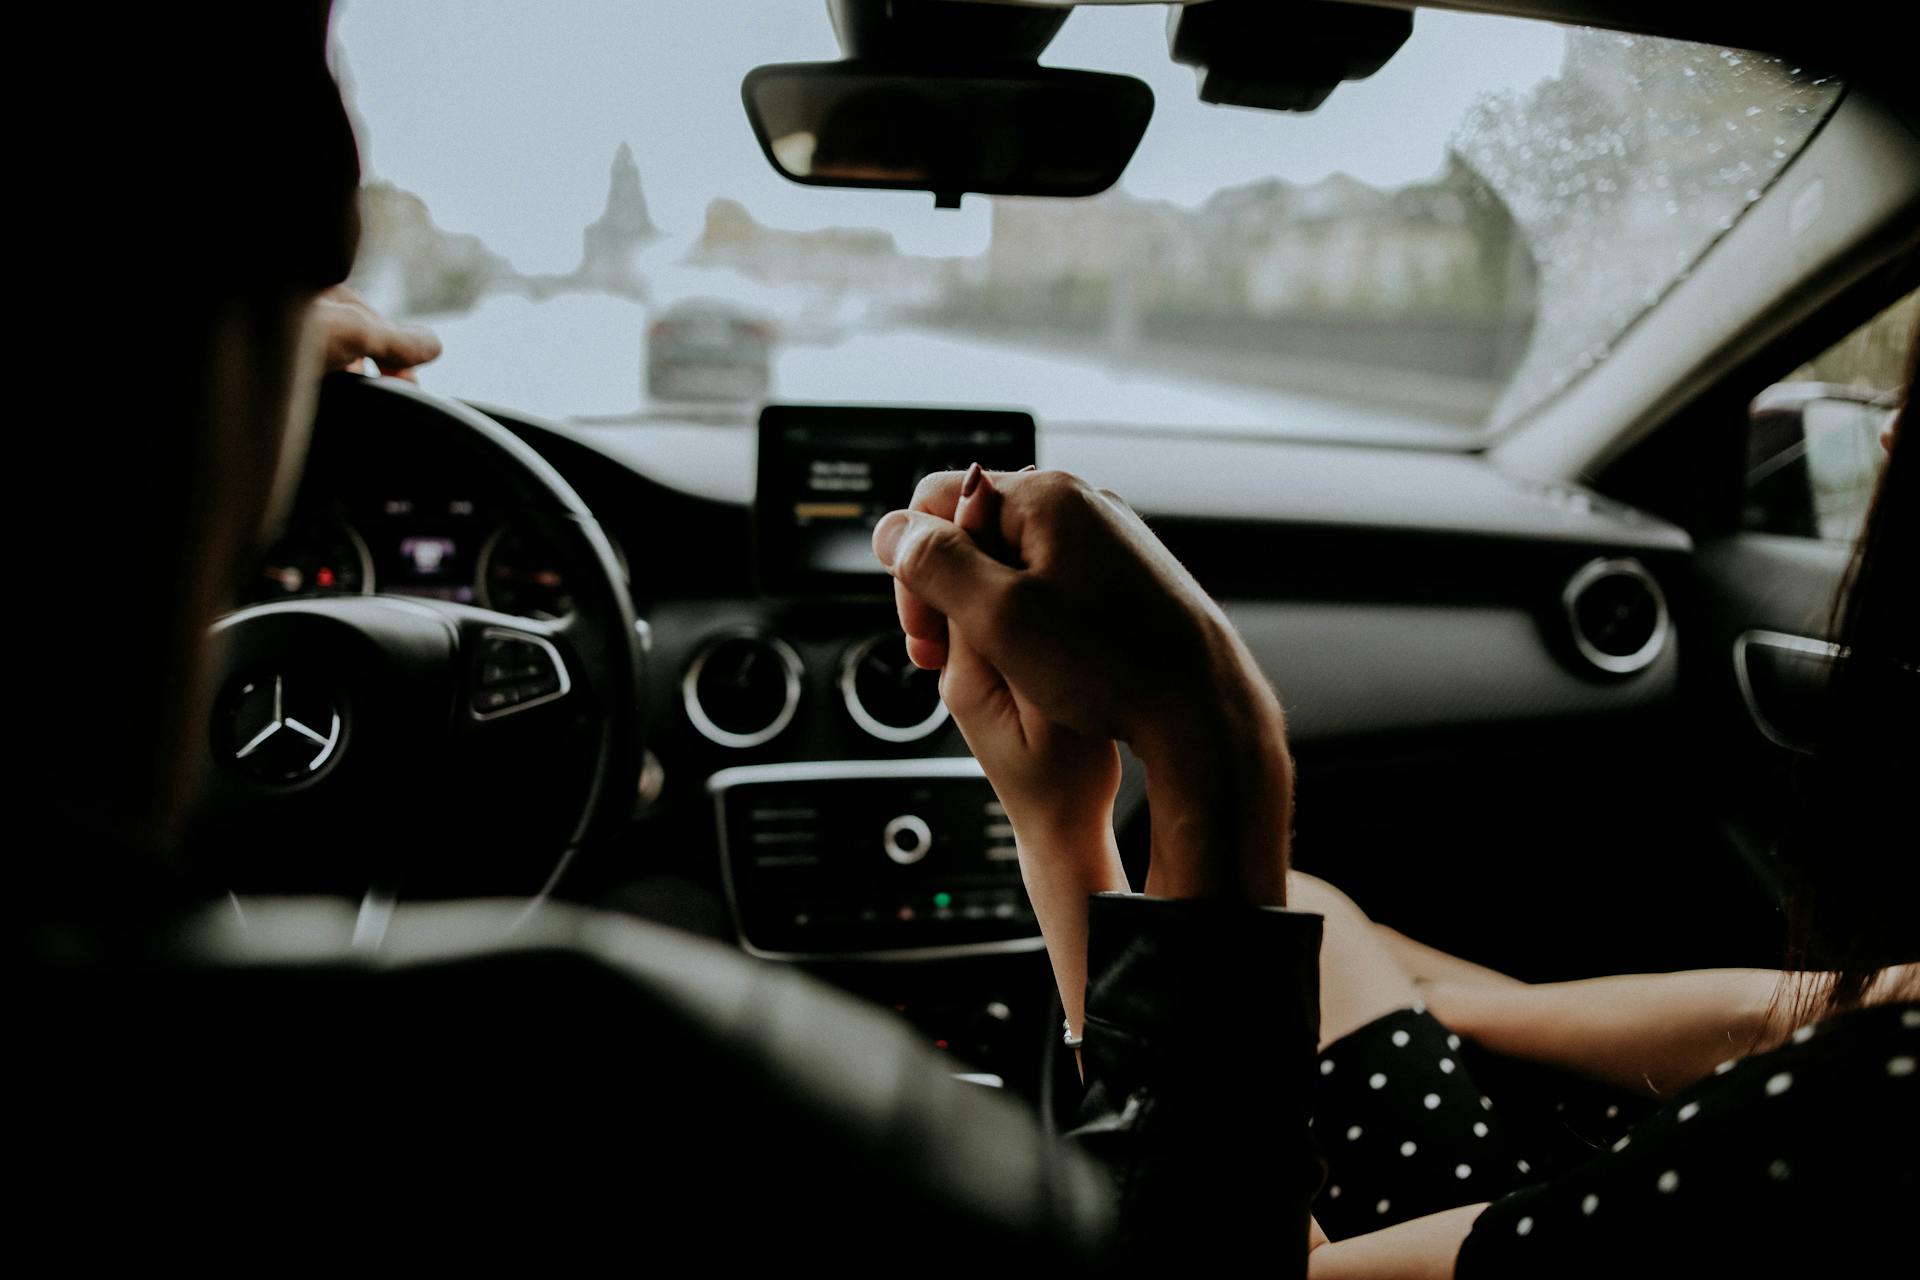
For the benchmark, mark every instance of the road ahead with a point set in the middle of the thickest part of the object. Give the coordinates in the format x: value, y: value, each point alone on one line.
x: 580, y: 355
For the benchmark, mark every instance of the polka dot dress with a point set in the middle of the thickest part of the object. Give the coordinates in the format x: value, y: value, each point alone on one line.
x: 1405, y: 1129
x: 1801, y: 1161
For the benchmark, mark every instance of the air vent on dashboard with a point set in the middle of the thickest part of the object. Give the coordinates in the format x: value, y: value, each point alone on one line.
x: 887, y: 695
x: 742, y: 688
x: 1617, y: 615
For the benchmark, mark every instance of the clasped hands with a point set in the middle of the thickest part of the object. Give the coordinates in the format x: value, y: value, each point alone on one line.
x: 1061, y: 625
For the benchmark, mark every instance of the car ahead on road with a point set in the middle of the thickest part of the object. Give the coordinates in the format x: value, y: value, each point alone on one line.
x: 1448, y: 393
x: 706, y: 349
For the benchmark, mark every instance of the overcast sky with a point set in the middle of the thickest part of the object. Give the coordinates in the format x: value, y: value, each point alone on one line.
x: 504, y: 115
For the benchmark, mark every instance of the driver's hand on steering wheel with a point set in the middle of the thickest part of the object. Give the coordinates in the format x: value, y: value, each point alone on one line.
x: 354, y: 332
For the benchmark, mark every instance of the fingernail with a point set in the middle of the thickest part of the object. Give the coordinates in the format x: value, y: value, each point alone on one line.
x: 887, y: 535
x: 971, y: 482
x: 1031, y: 466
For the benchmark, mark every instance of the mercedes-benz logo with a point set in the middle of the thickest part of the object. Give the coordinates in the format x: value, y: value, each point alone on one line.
x: 282, y: 729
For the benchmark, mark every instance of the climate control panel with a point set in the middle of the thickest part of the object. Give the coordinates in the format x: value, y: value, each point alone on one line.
x: 880, y: 859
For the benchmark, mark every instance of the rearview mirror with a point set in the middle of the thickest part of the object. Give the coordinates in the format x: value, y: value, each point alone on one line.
x: 999, y: 130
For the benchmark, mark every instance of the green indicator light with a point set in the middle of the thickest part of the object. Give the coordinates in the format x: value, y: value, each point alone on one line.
x: 943, y: 900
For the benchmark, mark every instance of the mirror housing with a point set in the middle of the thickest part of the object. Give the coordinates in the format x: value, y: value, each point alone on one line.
x: 994, y: 129
x: 1813, y: 454
x: 1283, y: 57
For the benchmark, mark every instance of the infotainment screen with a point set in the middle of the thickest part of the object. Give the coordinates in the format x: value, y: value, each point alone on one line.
x: 827, y: 475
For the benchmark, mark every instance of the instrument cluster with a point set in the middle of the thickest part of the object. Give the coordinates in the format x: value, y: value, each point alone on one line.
x: 442, y: 548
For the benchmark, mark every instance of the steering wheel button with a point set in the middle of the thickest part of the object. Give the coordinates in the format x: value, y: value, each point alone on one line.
x: 513, y: 671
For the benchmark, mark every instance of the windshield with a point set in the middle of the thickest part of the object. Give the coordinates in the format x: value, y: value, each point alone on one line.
x: 570, y: 194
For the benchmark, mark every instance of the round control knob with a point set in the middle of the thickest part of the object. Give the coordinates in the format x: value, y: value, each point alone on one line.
x: 906, y: 839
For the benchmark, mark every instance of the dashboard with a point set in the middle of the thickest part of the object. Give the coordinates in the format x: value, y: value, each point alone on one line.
x: 1493, y: 654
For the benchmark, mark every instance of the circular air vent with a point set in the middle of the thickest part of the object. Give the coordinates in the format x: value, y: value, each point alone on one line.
x: 742, y: 688
x: 886, y: 694
x: 1617, y: 615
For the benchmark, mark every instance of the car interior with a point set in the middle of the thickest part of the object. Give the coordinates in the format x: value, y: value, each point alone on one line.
x: 1547, y: 660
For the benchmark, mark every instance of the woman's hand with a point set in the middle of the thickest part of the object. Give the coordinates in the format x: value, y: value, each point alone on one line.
x: 1057, y: 785
x: 1090, y: 616
x: 1050, y: 778
x: 1091, y: 621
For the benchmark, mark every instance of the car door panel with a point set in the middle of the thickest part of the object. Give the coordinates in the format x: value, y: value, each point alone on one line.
x: 1756, y: 645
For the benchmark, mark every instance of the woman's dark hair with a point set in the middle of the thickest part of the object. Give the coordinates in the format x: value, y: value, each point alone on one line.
x: 1853, y: 905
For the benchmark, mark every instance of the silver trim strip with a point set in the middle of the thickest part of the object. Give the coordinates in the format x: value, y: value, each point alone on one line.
x: 957, y: 951
x: 375, y: 914
x: 874, y: 727
x: 367, y: 585
x: 1774, y: 640
x: 838, y: 770
x: 1616, y: 664
x: 482, y: 562
x: 834, y: 770
x: 697, y: 714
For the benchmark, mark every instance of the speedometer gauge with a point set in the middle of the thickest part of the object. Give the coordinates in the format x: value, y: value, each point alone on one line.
x: 317, y: 557
x: 519, y: 573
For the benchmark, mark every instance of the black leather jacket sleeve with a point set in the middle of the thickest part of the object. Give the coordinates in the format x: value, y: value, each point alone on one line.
x: 1201, y: 1032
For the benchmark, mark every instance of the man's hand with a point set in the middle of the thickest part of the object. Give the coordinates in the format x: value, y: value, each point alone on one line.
x: 1093, y: 622
x: 354, y: 331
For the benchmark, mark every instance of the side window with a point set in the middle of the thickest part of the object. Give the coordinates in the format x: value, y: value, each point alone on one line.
x: 1813, y: 445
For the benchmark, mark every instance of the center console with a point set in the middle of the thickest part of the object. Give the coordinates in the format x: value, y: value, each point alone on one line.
x: 852, y: 839
x: 874, y: 859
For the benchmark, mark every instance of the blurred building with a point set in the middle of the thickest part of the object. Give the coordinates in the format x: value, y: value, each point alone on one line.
x: 849, y: 259
x: 610, y: 246
x: 1271, y: 248
x: 409, y: 266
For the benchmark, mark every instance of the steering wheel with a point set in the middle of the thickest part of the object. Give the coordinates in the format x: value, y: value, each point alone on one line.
x: 385, y: 745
